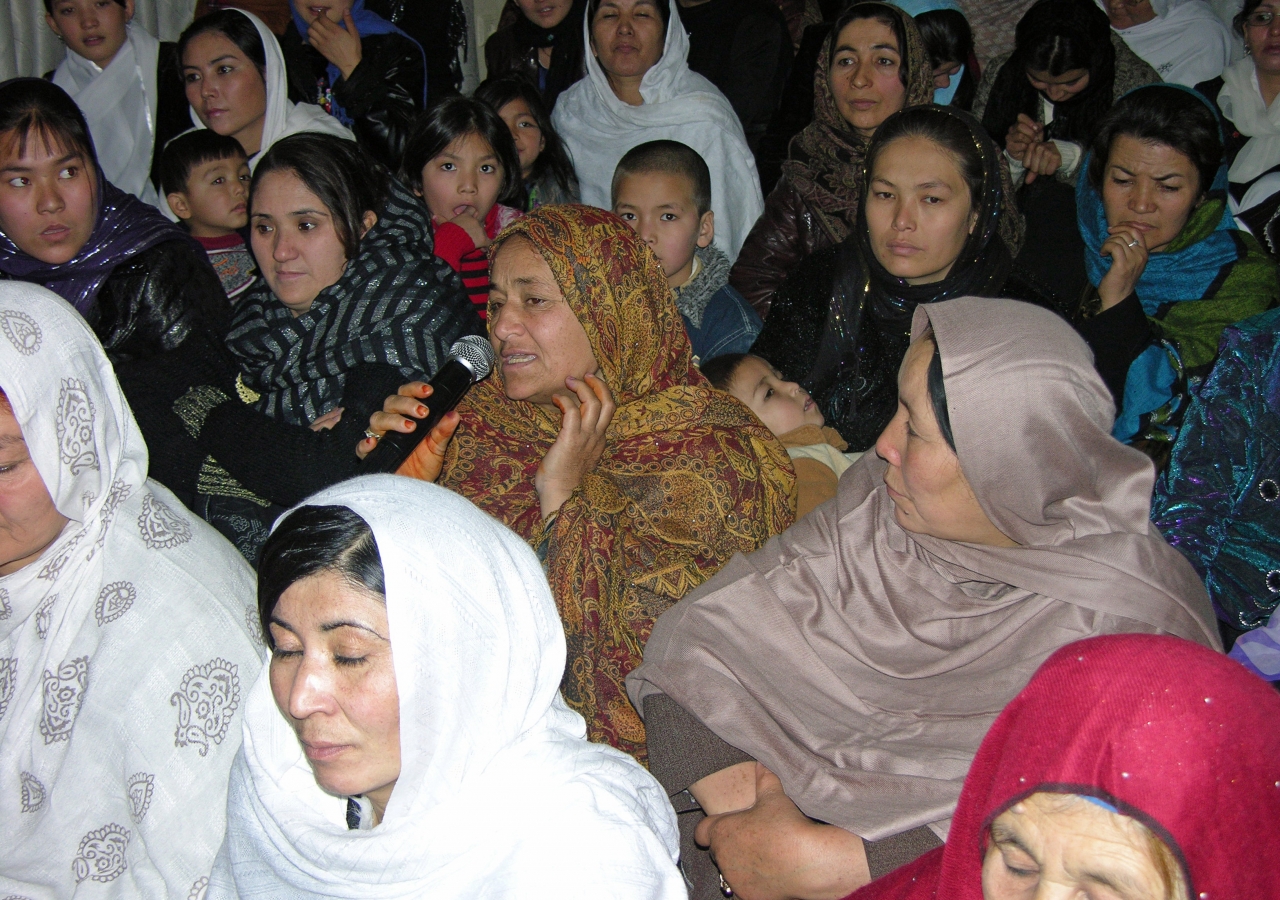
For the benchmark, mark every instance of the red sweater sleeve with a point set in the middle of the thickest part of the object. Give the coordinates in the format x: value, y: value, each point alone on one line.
x: 452, y: 243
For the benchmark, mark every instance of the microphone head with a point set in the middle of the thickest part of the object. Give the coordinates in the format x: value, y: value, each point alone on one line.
x: 476, y: 353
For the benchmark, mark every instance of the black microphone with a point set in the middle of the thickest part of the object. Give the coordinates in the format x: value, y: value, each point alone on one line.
x: 470, y: 359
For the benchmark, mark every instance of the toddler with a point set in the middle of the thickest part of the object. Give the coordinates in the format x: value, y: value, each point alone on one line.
x: 662, y: 189
x: 205, y: 177
x: 789, y: 412
x: 461, y: 161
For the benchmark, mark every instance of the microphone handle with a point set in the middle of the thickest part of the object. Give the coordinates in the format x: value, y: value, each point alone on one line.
x: 448, y: 387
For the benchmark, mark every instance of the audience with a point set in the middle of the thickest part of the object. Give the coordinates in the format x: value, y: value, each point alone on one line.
x: 1183, y: 40
x: 545, y: 167
x: 359, y: 68
x: 541, y: 41
x: 862, y: 655
x: 142, y: 284
x: 662, y: 189
x: 205, y: 178
x: 817, y: 452
x: 600, y: 444
x: 1168, y: 266
x: 448, y: 765
x: 1130, y: 766
x: 639, y: 88
x: 237, y: 84
x: 858, y: 84
x: 936, y: 220
x: 126, y: 648
x: 461, y: 161
x: 1217, y: 500
x: 127, y: 85
x: 744, y: 49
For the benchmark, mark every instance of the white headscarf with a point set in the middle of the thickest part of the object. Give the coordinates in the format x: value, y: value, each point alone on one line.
x: 125, y: 649
x: 1241, y: 103
x: 679, y: 105
x: 499, y: 793
x: 1186, y: 43
x: 119, y: 105
x: 282, y: 117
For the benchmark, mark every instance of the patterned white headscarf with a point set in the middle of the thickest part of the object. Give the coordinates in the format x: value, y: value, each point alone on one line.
x: 125, y: 647
x: 500, y: 794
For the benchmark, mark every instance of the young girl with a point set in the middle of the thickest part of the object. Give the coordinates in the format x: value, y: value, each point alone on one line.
x: 461, y: 161
x: 544, y: 164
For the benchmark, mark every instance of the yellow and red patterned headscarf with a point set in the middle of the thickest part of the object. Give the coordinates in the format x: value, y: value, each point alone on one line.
x: 689, y: 476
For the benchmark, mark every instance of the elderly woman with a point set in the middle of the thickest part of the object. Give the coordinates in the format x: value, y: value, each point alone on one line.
x: 351, y: 302
x: 602, y: 445
x: 401, y: 748
x: 936, y: 220
x: 125, y: 649
x: 1168, y: 267
x: 237, y: 83
x: 873, y: 64
x: 639, y: 88
x: 1130, y: 766
x: 141, y: 282
x: 862, y: 655
x: 541, y: 41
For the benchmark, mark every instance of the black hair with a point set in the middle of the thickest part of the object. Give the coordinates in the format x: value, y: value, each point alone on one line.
x: 1240, y: 18
x: 949, y: 39
x: 345, y: 178
x: 48, y: 5
x: 720, y: 370
x: 938, y: 396
x: 553, y: 162
x: 1162, y: 114
x: 191, y: 149
x: 946, y: 129
x: 312, y: 540
x: 235, y: 27
x: 664, y: 10
x: 667, y: 158
x: 453, y: 118
x: 34, y: 106
x: 881, y: 14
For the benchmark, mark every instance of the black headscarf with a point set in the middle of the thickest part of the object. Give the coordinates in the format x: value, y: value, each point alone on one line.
x: 843, y: 302
x: 566, y: 38
x: 1079, y: 24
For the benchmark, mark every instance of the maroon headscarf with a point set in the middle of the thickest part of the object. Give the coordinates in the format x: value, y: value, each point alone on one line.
x: 1183, y: 739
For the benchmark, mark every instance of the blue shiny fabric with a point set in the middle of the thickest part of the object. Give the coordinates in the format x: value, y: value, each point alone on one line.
x: 1219, y: 500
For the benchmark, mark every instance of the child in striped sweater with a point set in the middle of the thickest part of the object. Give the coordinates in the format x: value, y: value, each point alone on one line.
x: 461, y: 161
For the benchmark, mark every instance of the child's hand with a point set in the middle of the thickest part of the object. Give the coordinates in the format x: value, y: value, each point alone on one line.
x: 473, y: 227
x: 338, y: 44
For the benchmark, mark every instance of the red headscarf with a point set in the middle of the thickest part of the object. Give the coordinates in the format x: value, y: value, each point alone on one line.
x: 1183, y: 739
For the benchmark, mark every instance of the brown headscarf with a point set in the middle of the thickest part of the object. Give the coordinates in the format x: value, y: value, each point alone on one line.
x: 689, y: 476
x: 863, y: 664
x: 824, y: 162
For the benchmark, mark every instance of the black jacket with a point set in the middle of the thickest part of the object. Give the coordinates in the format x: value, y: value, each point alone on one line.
x: 383, y: 95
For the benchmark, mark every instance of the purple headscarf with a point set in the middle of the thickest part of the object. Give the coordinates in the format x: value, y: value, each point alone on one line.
x: 125, y: 227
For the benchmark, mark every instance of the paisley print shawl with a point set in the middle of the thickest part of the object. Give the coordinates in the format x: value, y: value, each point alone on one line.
x: 689, y: 476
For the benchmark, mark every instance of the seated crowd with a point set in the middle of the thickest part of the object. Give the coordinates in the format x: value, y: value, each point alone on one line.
x: 872, y: 490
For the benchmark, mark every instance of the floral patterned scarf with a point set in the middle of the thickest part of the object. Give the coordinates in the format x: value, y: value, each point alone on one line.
x: 689, y: 476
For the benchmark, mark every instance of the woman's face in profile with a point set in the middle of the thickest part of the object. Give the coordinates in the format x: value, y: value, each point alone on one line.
x: 47, y: 203
x: 918, y: 210
x: 29, y: 522
x: 225, y: 88
x: 333, y: 680
x: 929, y: 491
x: 1061, y: 845
x: 865, y: 80
x: 1151, y: 187
x: 627, y: 36
x: 545, y: 13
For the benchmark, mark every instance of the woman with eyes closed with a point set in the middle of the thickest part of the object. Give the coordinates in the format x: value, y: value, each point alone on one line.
x: 936, y: 220
x: 873, y: 64
x: 1168, y: 269
x: 407, y: 738
x: 237, y: 84
x: 821, y: 699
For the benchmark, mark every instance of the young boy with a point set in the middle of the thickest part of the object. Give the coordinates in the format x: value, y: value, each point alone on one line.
x: 662, y: 189
x: 789, y: 412
x: 205, y: 177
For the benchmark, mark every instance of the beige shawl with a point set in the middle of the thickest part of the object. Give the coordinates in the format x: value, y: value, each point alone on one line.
x: 864, y: 664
